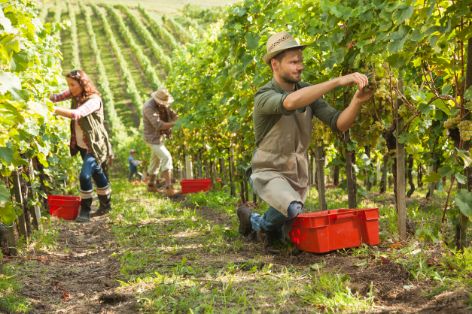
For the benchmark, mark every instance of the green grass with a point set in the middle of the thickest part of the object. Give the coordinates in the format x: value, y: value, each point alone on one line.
x: 330, y: 293
x: 185, y: 257
x: 188, y: 257
x: 10, y: 300
x: 176, y: 252
x: 43, y: 240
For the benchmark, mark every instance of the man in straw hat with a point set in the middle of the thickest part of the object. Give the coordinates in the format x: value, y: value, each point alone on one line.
x: 283, y: 112
x: 158, y: 120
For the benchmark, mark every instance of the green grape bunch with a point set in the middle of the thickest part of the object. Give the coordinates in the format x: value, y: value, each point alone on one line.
x: 452, y: 122
x: 465, y: 129
x: 380, y: 86
x: 374, y: 82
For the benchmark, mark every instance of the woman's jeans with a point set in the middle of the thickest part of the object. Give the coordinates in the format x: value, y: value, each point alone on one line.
x: 91, y: 169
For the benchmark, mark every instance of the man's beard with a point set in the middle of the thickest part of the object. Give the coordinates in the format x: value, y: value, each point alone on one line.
x: 289, y: 80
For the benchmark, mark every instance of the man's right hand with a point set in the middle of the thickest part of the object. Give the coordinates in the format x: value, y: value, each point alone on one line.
x: 305, y: 96
x: 169, y: 125
x: 357, y: 78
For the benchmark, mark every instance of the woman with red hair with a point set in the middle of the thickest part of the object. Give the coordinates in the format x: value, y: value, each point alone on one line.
x: 89, y: 138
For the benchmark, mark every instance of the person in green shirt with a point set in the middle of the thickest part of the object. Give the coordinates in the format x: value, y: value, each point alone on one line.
x: 283, y: 112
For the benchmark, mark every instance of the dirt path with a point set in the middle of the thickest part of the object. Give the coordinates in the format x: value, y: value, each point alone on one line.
x: 79, y: 276
x: 394, y: 289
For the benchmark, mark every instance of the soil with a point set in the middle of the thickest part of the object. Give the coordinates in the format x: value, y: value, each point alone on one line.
x: 392, y: 287
x: 81, y: 276
x: 394, y: 290
x: 78, y: 276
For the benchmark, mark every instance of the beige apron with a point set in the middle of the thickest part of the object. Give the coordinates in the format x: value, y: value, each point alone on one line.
x: 280, y: 163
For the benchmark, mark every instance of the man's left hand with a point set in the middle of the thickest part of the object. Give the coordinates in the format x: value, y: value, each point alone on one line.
x: 363, y: 95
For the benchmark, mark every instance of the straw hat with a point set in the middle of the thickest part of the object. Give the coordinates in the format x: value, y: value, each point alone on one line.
x: 162, y: 96
x: 278, y: 43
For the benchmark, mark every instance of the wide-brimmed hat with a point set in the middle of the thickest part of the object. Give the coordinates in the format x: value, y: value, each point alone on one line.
x: 278, y: 43
x: 162, y: 96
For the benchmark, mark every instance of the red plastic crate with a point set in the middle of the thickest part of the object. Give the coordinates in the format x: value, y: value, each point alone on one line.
x: 330, y: 230
x: 64, y: 206
x: 195, y: 185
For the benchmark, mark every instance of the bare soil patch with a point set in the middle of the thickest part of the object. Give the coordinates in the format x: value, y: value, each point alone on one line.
x: 393, y: 288
x: 79, y: 276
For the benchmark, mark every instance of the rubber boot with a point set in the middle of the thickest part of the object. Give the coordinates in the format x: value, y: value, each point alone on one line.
x: 85, y: 208
x: 244, y: 216
x: 105, y: 205
x: 151, y: 185
x: 168, y: 190
x: 294, y: 210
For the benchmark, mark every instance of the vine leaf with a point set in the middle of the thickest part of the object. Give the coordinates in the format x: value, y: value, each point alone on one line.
x: 9, y: 82
x: 463, y: 200
x: 4, y: 194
